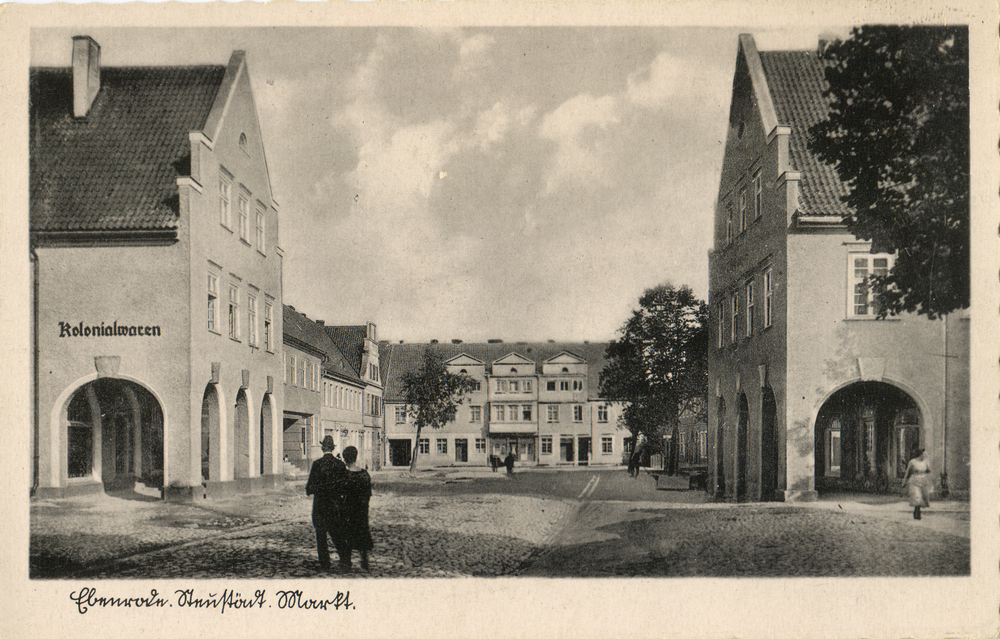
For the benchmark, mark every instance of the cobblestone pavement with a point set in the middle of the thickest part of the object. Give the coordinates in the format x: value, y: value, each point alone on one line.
x: 436, y: 534
x: 272, y: 536
x: 609, y: 539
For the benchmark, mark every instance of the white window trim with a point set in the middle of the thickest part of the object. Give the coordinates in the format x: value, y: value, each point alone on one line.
x: 213, y: 294
x: 852, y: 281
x: 225, y: 198
x: 768, y: 297
x: 750, y: 308
x: 234, y: 312
x: 244, y: 212
x: 758, y: 204
x: 261, y: 229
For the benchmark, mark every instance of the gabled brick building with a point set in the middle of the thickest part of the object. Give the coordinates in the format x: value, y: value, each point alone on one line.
x: 156, y: 281
x: 807, y: 390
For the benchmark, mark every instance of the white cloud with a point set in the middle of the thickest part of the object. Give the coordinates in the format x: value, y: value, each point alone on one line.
x: 576, y: 126
x: 663, y: 81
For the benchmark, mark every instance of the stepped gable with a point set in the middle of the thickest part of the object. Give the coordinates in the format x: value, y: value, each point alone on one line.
x: 116, y: 168
x: 796, y: 82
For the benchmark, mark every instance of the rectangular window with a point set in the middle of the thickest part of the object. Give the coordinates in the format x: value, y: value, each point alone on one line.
x: 627, y: 445
x: 607, y: 445
x: 234, y: 311
x: 527, y: 385
x: 564, y: 385
x: 442, y: 446
x: 477, y: 386
x: 833, y: 452
x: 268, y: 327
x: 546, y: 445
x: 729, y: 224
x: 525, y: 412
x: 213, y: 302
x: 743, y: 210
x: 768, y: 289
x: 552, y: 414
x: 721, y: 320
x: 577, y: 413
x: 225, y: 198
x: 244, y: 205
x: 862, y: 290
x: 512, y: 413
x: 702, y: 445
x: 260, y: 228
x: 734, y: 329
x: 424, y: 446
x: 513, y: 386
x: 501, y: 386
x: 750, y: 306
x: 578, y: 385
x: 291, y: 369
x: 550, y: 386
x: 475, y: 413
x: 757, y: 191
x: 602, y: 413
x: 302, y: 372
x: 480, y: 445
x: 252, y: 319
x: 499, y: 413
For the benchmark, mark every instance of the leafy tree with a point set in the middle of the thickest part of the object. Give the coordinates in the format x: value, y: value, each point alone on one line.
x: 433, y: 395
x: 898, y: 134
x: 659, y: 366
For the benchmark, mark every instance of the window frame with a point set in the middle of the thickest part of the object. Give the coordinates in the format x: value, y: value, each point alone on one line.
x: 260, y: 239
x: 743, y: 209
x: 252, y: 319
x: 757, y: 195
x: 225, y: 199
x: 545, y: 444
x: 853, y: 282
x: 602, y: 414
x: 441, y: 445
x: 234, y: 311
x: 213, y: 303
x: 734, y: 328
x: 475, y: 414
x: 577, y: 413
x: 607, y: 445
x: 424, y: 446
x: 268, y: 327
x: 768, y: 297
x: 552, y: 414
x: 729, y: 223
x: 750, y: 303
x: 243, y: 207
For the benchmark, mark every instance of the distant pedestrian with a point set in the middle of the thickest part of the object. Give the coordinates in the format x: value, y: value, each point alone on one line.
x: 918, y: 481
x: 326, y: 478
x: 508, y: 461
x: 357, y: 494
x: 494, y: 462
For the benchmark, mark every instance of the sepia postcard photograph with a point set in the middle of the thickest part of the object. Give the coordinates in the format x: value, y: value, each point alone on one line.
x: 527, y: 320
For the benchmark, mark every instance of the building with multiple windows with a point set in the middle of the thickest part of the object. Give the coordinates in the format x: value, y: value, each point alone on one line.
x: 808, y: 391
x: 537, y: 400
x: 156, y: 280
x: 326, y: 394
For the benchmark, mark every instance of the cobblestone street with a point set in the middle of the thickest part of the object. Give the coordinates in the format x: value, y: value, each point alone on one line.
x: 495, y: 526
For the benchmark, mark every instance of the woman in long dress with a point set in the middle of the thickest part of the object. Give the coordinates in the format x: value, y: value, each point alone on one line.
x: 357, y: 494
x: 918, y: 481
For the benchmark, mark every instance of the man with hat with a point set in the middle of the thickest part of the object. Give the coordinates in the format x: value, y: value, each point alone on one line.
x: 325, y: 482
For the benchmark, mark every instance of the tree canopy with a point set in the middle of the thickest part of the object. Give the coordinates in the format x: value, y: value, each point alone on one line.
x: 659, y: 366
x: 898, y: 134
x: 433, y: 395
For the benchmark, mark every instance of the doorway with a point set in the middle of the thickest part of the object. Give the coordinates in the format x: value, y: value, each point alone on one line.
x: 742, y: 449
x: 461, y: 450
x: 583, y: 457
x: 399, y: 452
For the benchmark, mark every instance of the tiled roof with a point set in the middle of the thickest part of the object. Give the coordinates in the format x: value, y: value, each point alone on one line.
x: 405, y: 358
x: 350, y: 340
x: 305, y: 330
x: 796, y: 83
x: 116, y: 168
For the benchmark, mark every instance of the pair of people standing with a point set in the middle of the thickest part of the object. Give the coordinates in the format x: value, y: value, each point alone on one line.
x: 341, y: 492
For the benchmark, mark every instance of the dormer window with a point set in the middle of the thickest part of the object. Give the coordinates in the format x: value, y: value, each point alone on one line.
x: 513, y: 371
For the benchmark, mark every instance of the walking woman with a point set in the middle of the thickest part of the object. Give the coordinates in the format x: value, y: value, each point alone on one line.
x: 918, y: 481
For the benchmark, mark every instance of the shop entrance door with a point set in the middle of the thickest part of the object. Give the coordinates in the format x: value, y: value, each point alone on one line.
x: 584, y: 454
x: 461, y: 450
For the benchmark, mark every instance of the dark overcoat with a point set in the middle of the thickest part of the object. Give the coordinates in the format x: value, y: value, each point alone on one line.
x: 325, y: 482
x: 357, y: 494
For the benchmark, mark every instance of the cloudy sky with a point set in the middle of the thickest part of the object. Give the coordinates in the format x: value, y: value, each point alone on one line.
x: 514, y: 183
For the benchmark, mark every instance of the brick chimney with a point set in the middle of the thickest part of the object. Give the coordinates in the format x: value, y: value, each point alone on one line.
x: 86, y: 74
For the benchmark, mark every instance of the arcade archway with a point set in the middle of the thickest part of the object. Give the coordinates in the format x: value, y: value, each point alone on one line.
x: 114, y: 434
x: 864, y: 435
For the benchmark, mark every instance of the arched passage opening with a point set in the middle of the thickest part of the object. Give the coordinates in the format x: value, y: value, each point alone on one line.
x: 864, y: 435
x: 768, y: 446
x: 720, y: 450
x: 241, y: 438
x: 114, y: 434
x: 266, y: 436
x: 742, y: 449
x: 210, y: 432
